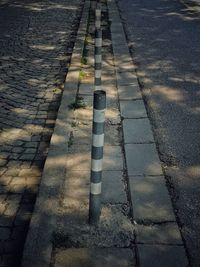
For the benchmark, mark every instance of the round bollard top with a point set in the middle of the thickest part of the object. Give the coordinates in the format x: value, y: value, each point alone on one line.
x: 99, y: 99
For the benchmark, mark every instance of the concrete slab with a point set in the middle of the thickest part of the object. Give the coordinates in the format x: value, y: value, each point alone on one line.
x: 167, y: 233
x: 129, y: 92
x: 133, y: 109
x: 113, y: 188
x: 161, y: 255
x: 113, y: 158
x: 86, y: 89
x: 76, y: 189
x: 137, y: 131
x: 98, y: 257
x: 126, y: 78
x: 150, y: 199
x: 142, y: 159
x: 113, y: 135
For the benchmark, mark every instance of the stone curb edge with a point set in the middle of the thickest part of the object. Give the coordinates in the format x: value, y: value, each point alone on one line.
x: 142, y: 254
x: 38, y: 246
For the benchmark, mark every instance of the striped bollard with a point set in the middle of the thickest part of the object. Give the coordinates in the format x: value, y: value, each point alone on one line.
x: 99, y: 106
x: 98, y: 16
x: 98, y: 59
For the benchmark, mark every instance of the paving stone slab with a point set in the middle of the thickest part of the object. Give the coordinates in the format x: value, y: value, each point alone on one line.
x: 166, y: 233
x: 113, y: 188
x: 86, y: 89
x: 162, y: 256
x: 137, y: 131
x: 133, y: 109
x: 150, y: 199
x: 142, y: 159
x: 126, y: 78
x: 129, y: 92
x: 98, y: 257
x: 76, y: 189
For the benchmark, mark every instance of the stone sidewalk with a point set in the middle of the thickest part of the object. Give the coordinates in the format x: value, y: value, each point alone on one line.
x: 137, y: 225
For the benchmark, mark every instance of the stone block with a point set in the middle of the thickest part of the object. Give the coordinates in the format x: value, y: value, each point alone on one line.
x: 142, y: 159
x: 98, y: 257
x: 150, y: 199
x: 137, y: 131
x: 113, y: 188
x: 126, y: 78
x: 133, y: 109
x: 129, y: 92
x: 161, y: 255
x: 166, y: 233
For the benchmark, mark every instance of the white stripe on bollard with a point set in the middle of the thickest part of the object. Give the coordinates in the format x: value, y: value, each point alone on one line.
x: 99, y: 115
x: 95, y: 188
x: 98, y: 140
x: 97, y: 165
x: 97, y: 73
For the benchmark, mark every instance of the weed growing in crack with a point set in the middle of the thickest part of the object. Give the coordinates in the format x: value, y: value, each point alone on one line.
x: 79, y: 103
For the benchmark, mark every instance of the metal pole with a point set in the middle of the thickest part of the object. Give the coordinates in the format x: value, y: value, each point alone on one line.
x: 98, y: 16
x: 99, y: 106
x: 98, y: 59
x: 98, y: 47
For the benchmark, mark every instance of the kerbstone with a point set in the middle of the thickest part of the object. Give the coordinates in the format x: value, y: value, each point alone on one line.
x: 133, y: 109
x: 142, y: 159
x: 161, y: 255
x: 137, y: 131
x: 113, y: 188
x: 126, y: 78
x: 166, y: 233
x: 129, y: 92
x: 98, y: 257
x: 150, y: 199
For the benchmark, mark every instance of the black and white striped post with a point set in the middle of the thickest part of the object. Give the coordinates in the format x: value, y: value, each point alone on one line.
x: 99, y: 106
x: 98, y: 46
x: 98, y: 16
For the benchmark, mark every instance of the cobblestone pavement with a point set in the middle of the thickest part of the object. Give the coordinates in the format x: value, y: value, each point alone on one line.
x: 36, y: 42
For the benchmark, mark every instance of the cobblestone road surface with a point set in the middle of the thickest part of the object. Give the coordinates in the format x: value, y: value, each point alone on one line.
x: 36, y: 40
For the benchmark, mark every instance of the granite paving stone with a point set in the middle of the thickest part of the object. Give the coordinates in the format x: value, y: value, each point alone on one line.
x: 113, y: 187
x: 137, y: 131
x: 166, y: 233
x: 84, y: 257
x: 150, y: 199
x: 142, y: 159
x: 162, y: 255
x: 129, y: 92
x: 133, y: 109
x: 33, y: 55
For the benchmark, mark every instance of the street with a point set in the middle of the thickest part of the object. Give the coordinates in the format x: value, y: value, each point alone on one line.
x: 164, y: 40
x: 36, y: 41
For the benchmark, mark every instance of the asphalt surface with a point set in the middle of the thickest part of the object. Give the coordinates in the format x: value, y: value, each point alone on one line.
x: 36, y: 41
x: 165, y: 42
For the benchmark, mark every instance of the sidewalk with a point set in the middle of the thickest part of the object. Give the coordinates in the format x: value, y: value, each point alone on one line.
x: 137, y: 225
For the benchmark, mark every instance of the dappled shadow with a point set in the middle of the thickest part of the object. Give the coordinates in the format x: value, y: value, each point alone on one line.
x: 164, y: 41
x: 36, y: 43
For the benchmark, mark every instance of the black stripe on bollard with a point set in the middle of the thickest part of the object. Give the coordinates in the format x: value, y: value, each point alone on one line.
x: 98, y: 58
x: 97, y: 155
x: 98, y: 16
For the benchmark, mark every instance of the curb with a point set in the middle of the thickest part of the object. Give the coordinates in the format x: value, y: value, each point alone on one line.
x: 146, y: 208
x: 38, y: 246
